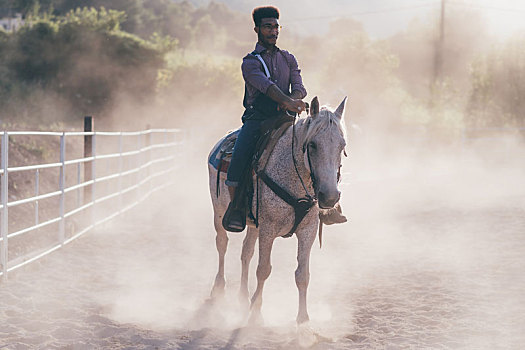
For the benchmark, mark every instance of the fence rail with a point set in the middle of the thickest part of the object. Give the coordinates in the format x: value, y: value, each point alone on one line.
x: 119, y: 180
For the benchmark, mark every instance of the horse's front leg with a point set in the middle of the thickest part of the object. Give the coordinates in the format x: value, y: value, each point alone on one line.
x: 264, y: 268
x: 248, y: 247
x: 221, y: 241
x: 305, y: 239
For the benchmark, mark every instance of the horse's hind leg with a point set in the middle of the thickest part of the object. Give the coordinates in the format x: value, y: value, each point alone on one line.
x: 248, y: 247
x: 221, y: 241
x: 302, y: 274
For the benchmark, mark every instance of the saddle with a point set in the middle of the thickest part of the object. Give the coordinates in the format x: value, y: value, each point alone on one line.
x: 271, y: 131
x: 223, y: 155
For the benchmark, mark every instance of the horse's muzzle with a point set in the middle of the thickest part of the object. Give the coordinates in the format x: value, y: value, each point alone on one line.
x: 328, y: 200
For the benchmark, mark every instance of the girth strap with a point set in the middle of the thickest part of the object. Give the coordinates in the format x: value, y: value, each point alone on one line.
x: 301, y: 206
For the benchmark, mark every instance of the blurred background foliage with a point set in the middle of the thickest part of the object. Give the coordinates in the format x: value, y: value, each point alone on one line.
x: 181, y: 63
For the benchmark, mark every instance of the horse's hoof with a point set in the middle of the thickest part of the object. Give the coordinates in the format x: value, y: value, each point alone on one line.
x: 244, y: 303
x: 301, y: 319
x: 256, y: 320
x: 217, y: 293
x: 306, y: 337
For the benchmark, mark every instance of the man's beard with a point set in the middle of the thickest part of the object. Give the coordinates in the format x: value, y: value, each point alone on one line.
x: 266, y: 40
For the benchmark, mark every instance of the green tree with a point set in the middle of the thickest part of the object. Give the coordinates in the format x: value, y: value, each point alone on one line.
x: 84, y: 58
x: 498, y: 86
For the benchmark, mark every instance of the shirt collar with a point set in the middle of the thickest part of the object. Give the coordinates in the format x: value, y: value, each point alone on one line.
x: 260, y: 49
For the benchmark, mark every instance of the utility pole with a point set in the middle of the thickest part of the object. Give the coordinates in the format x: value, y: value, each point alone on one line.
x: 438, y: 54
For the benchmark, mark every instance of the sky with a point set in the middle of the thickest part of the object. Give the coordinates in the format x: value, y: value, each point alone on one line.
x: 383, y: 18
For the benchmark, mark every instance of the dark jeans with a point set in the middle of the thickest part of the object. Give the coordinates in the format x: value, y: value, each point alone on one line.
x: 243, y: 151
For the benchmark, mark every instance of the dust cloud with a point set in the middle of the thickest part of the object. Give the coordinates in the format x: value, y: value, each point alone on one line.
x: 432, y: 255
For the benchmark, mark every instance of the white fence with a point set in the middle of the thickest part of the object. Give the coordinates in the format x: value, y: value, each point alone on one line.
x: 124, y: 169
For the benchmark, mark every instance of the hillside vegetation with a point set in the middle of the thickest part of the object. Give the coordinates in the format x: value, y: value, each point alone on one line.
x: 171, y: 63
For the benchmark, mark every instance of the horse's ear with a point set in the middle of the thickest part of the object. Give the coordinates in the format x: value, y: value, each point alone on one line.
x: 340, y: 110
x: 314, y: 107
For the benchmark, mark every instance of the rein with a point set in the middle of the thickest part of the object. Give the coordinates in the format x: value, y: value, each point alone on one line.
x: 305, y: 149
x: 302, y: 205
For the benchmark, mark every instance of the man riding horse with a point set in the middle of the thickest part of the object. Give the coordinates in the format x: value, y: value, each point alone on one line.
x: 269, y: 74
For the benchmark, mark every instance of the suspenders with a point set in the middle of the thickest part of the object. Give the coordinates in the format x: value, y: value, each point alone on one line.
x: 263, y: 103
x: 266, y: 71
x: 264, y: 65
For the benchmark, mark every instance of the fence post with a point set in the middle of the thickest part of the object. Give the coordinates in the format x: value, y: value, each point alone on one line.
x: 78, y: 183
x: 148, y: 157
x: 93, y: 176
x: 62, y: 185
x: 88, y: 139
x: 120, y: 165
x: 37, y: 192
x: 186, y: 142
x: 139, y: 167
x: 5, y: 214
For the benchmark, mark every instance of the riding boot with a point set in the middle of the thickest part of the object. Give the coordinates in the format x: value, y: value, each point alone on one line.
x: 332, y: 216
x: 231, y: 192
x: 233, y: 220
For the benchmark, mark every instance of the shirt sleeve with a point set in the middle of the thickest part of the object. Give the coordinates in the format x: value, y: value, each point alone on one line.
x: 296, y: 81
x: 253, y: 75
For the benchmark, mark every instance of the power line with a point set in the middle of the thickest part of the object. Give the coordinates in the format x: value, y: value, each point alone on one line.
x: 405, y: 8
x: 394, y: 9
x: 486, y: 7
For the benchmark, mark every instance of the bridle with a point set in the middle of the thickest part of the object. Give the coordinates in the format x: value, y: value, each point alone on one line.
x: 305, y: 149
x: 302, y: 205
x: 313, y: 200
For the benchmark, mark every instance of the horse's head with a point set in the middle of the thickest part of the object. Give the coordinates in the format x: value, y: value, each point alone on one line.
x: 323, y: 145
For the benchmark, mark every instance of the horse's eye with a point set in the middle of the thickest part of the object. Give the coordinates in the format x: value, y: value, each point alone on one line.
x: 312, y: 145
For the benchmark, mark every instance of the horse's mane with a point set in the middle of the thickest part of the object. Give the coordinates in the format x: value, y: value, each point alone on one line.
x: 324, y: 120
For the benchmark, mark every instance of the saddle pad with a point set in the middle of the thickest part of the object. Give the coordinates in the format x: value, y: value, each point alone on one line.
x: 221, y: 155
x: 222, y: 152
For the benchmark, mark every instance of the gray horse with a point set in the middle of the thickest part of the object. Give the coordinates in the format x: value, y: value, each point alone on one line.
x: 319, y: 141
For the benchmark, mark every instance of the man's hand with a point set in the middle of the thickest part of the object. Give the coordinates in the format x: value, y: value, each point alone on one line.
x: 285, y: 102
x: 294, y: 105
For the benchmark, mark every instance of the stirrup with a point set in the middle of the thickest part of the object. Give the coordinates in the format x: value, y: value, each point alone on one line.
x: 234, y: 226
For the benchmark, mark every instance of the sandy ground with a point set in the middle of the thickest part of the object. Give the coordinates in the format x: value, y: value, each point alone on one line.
x: 432, y: 264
